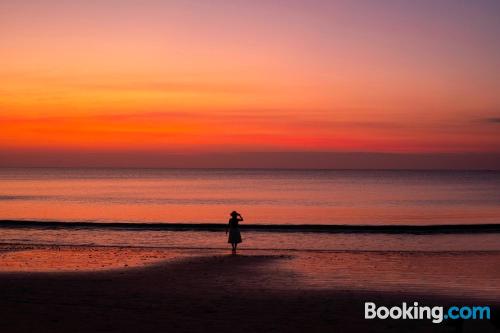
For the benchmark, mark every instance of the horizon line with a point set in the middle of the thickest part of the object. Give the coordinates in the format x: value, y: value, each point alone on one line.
x: 248, y: 168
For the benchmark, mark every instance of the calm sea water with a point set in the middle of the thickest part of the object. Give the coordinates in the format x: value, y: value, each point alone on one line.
x: 262, y: 196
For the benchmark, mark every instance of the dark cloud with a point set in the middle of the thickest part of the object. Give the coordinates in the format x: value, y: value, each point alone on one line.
x: 494, y: 120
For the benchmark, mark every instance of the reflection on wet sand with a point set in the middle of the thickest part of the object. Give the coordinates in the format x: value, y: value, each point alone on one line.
x: 77, y: 258
x: 209, y: 291
x: 465, y: 274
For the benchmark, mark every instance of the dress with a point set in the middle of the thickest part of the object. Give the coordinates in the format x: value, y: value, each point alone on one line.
x: 234, y: 231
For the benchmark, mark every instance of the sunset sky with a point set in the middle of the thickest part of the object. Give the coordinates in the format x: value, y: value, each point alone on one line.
x: 123, y: 80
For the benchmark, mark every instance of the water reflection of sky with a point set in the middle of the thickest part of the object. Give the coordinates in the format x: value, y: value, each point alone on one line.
x: 254, y: 240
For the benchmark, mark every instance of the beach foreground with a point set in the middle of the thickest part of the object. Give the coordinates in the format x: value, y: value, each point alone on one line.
x: 112, y: 289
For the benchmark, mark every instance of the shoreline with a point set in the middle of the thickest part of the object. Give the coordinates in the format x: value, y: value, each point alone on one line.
x: 28, y: 246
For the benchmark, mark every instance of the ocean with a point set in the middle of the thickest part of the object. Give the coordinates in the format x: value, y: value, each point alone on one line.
x: 462, y: 264
x: 261, y: 196
x: 102, y: 197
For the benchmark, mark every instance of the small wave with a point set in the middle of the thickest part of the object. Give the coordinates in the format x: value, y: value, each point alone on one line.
x: 326, y: 228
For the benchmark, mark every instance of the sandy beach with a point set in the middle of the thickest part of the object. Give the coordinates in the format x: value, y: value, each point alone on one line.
x: 113, y: 289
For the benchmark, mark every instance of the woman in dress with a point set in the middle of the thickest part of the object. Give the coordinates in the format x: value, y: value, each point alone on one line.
x: 234, y: 230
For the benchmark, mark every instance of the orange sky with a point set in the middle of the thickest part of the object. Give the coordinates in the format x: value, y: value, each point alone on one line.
x: 250, y: 76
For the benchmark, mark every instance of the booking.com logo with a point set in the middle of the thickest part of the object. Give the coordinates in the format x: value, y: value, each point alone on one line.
x: 435, y: 313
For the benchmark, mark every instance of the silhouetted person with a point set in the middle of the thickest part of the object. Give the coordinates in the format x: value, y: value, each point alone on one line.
x: 234, y: 230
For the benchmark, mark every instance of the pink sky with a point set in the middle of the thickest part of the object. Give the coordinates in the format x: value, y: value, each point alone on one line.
x: 154, y: 78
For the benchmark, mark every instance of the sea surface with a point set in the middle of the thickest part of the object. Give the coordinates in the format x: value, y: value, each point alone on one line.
x: 261, y: 196
x: 463, y: 264
x: 285, y: 197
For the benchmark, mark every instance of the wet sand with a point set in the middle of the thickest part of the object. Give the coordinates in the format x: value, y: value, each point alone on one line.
x: 188, y: 291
